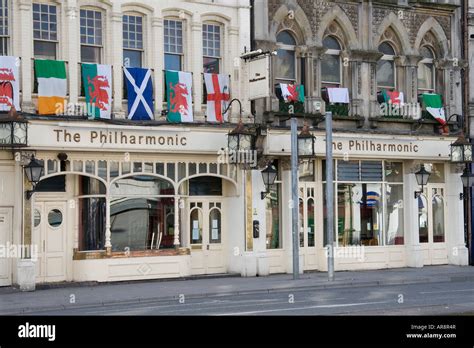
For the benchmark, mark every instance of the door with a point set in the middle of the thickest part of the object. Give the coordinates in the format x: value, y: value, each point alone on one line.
x: 6, y: 232
x: 49, y: 234
x: 307, y: 219
x: 432, y: 225
x: 205, y: 236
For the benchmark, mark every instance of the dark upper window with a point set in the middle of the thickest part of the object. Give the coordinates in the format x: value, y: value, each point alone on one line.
x: 286, y: 58
x: 205, y: 186
x: 386, y: 74
x: 4, y: 32
x: 331, y: 63
x: 132, y: 41
x: 426, y: 71
x: 173, y: 44
x: 91, y: 36
x: 45, y: 31
x: 211, y: 47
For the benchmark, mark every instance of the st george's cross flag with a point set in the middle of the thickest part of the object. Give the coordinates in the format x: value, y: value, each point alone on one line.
x: 218, y: 96
x: 97, y: 82
x: 139, y: 93
x: 179, y: 91
x: 9, y: 83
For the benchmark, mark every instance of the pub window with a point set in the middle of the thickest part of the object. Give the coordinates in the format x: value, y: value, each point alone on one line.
x: 173, y: 44
x: 426, y: 71
x: 386, y: 74
x: 273, y: 216
x: 4, y: 24
x: 132, y: 41
x: 91, y: 36
x: 45, y: 31
x: 140, y: 212
x: 369, y: 203
x: 286, y: 57
x: 331, y: 72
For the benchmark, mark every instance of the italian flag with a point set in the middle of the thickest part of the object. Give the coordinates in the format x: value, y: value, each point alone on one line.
x: 97, y: 82
x: 292, y: 93
x: 434, y: 105
x: 179, y: 91
x: 52, y: 86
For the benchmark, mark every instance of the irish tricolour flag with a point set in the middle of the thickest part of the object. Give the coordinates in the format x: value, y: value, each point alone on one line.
x: 434, y: 105
x: 179, y: 93
x: 97, y: 81
x: 52, y: 86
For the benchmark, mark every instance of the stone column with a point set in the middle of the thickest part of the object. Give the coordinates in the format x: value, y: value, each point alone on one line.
x: 73, y: 53
x: 158, y: 64
x: 314, y: 80
x: 117, y: 61
x: 108, y: 233
x: 195, y: 57
x: 236, y: 91
x: 177, y: 211
x: 408, y: 65
x: 26, y: 52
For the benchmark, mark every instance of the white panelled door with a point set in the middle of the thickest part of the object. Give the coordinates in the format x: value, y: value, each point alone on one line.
x: 6, y: 232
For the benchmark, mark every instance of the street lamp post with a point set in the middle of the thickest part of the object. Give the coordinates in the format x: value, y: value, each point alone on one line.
x: 329, y: 197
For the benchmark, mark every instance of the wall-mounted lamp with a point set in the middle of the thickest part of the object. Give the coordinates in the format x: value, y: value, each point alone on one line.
x: 269, y: 175
x: 33, y: 171
x: 422, y: 177
x: 467, y: 179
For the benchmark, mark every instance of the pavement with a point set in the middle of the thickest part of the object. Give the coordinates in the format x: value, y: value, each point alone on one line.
x: 82, y: 295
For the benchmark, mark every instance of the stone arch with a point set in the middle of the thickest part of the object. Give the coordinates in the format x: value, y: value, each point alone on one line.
x: 432, y: 26
x: 158, y: 176
x: 394, y: 23
x: 299, y: 26
x: 336, y: 14
x: 137, y: 7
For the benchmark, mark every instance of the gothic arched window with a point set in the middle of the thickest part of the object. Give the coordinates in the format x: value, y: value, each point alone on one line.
x: 426, y: 71
x: 331, y: 72
x: 386, y: 73
x: 286, y: 58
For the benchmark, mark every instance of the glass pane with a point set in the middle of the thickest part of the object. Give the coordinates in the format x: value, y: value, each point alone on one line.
x: 126, y: 168
x: 386, y: 49
x: 285, y: 65
x: 331, y: 43
x: 310, y: 217
x: 90, y: 54
x: 181, y: 171
x: 202, y: 168
x: 192, y: 169
x: 102, y: 169
x: 160, y: 168
x: 37, y: 218
x: 306, y: 170
x: 170, y: 171
x: 172, y: 62
x: 213, y: 168
x: 148, y: 167
x: 132, y: 59
x: 331, y: 69
x: 55, y: 218
x: 438, y: 217
x: 114, y: 169
x: 348, y: 171
x: 386, y: 73
x: 425, y: 76
x: 394, y: 216
x: 301, y: 222
x: 205, y: 186
x: 286, y: 38
x: 137, y: 167
x: 359, y: 214
x: 426, y: 52
x: 273, y: 233
x: 215, y: 226
x: 196, y: 226
x: 77, y: 166
x: 140, y: 223
x: 91, y: 186
x: 52, y: 166
x: 423, y: 218
x: 437, y: 172
x: 371, y: 171
x: 45, y: 50
x: 141, y: 185
x: 211, y: 65
x: 394, y: 171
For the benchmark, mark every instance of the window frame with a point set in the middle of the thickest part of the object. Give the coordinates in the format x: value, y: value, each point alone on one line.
x: 102, y: 26
x: 219, y: 57
x: 181, y: 54
x: 389, y: 58
x: 142, y: 49
x: 286, y: 47
x: 426, y: 61
x: 5, y: 39
x: 55, y: 42
x: 337, y: 53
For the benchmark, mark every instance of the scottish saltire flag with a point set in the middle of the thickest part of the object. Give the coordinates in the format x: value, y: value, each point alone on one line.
x: 9, y: 83
x: 218, y: 96
x: 434, y: 105
x: 97, y: 81
x: 292, y: 92
x: 179, y: 91
x: 139, y: 93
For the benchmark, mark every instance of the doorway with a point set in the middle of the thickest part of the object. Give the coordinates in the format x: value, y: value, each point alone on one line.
x: 49, y: 234
x: 307, y: 226
x: 432, y: 225
x: 6, y: 232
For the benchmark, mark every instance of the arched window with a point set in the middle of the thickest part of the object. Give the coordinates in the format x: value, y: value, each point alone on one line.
x: 331, y: 63
x: 286, y: 59
x: 426, y: 71
x: 386, y: 74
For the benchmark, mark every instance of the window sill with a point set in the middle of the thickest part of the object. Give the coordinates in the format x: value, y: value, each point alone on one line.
x: 102, y: 254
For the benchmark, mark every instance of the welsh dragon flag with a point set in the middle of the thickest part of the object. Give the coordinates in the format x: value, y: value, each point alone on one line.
x: 179, y: 91
x: 97, y: 81
x: 393, y: 97
x: 434, y: 105
x: 9, y: 83
x: 292, y: 92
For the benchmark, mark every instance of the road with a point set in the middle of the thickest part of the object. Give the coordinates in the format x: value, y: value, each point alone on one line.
x: 416, y: 299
